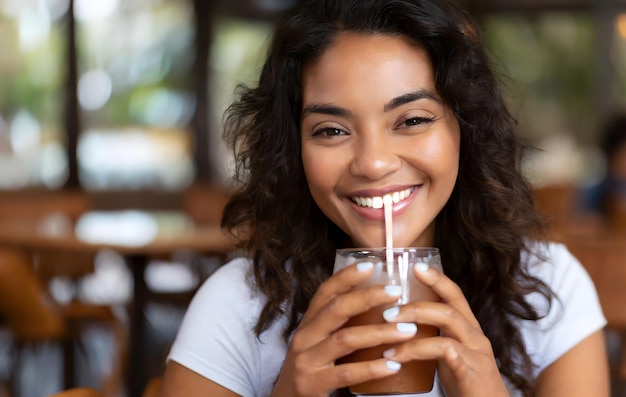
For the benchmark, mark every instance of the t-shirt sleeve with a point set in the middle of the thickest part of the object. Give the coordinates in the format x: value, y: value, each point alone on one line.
x: 574, y: 315
x: 216, y: 338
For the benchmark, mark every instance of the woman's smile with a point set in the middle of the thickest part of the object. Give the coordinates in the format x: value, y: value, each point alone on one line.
x: 377, y: 201
x: 370, y: 205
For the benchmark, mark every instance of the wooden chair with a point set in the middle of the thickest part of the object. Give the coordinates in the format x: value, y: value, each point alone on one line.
x: 30, y: 204
x: 30, y: 314
x: 556, y: 203
x: 604, y: 258
x: 59, y: 209
x: 205, y: 204
x: 34, y: 318
x: 79, y: 314
x: 152, y: 388
x: 616, y: 213
x: 78, y: 392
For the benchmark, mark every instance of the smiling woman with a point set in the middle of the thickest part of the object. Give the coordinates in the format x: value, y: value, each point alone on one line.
x: 360, y: 101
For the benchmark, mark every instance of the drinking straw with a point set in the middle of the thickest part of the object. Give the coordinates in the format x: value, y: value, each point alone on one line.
x: 388, y: 205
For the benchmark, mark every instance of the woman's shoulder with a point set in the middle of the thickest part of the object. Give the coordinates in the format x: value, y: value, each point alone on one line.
x: 234, y: 270
x: 225, y: 300
x: 574, y: 312
x: 216, y: 338
x: 232, y: 281
x: 550, y: 261
x: 553, y: 264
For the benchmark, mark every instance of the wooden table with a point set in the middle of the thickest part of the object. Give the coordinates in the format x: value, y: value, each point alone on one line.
x: 151, y: 234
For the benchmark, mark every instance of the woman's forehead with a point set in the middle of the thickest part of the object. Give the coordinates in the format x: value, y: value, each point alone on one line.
x: 368, y: 62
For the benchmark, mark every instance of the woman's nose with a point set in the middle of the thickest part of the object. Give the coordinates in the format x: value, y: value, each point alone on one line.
x: 374, y: 156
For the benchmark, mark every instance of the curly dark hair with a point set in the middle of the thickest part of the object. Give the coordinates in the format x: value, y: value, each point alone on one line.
x: 488, y: 221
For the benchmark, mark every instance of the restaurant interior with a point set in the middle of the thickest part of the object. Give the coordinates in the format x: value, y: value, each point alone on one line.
x: 113, y: 174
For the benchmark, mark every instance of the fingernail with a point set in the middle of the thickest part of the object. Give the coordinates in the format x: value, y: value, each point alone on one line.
x: 364, y: 266
x: 389, y: 353
x: 393, y: 365
x: 391, y: 313
x: 406, y: 328
x: 393, y: 290
x: 421, y: 267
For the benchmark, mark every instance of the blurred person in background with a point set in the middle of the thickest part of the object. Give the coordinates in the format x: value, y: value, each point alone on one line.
x: 607, y: 199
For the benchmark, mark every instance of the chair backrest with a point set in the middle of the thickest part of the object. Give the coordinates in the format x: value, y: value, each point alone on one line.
x: 41, y: 203
x: 55, y: 263
x: 604, y: 258
x: 78, y: 392
x: 205, y: 204
x: 556, y: 203
x: 52, y: 210
x: 152, y: 388
x: 29, y: 311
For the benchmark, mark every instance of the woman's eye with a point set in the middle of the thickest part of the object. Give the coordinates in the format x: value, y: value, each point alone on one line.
x: 329, y: 132
x: 414, y: 121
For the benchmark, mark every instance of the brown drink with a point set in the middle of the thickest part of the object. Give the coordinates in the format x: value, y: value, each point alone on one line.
x: 414, y: 376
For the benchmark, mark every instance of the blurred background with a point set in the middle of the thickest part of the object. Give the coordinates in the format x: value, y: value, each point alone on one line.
x: 148, y: 80
x: 122, y: 101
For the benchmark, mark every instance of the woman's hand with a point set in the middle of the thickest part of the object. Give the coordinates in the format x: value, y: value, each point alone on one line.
x: 309, y: 368
x: 466, y: 363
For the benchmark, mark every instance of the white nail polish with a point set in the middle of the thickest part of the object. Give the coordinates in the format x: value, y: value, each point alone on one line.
x: 393, y: 365
x: 421, y: 267
x: 391, y: 313
x: 393, y: 290
x: 364, y: 266
x: 389, y: 353
x: 406, y: 328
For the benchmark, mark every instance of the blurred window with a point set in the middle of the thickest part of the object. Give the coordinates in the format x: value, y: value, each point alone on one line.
x: 134, y: 89
x: 237, y: 54
x: 32, y: 67
x: 549, y: 57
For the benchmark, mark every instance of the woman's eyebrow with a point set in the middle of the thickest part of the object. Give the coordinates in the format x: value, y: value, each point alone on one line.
x: 333, y: 110
x: 410, y: 97
x: 323, y: 108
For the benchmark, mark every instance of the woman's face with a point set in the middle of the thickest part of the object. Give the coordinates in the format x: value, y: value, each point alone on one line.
x: 374, y: 125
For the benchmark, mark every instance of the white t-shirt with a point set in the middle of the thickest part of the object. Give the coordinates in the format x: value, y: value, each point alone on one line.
x: 217, y: 339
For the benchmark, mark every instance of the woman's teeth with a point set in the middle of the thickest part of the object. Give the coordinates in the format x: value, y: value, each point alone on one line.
x: 377, y: 201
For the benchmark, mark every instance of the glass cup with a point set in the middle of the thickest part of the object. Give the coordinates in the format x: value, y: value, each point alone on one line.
x: 415, y: 376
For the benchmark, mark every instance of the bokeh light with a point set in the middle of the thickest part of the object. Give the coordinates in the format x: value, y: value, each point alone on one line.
x: 94, y: 89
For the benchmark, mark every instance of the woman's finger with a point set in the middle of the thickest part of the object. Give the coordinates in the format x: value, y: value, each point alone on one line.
x: 438, y: 348
x: 465, y: 369
x: 344, y: 375
x: 339, y: 310
x: 440, y: 315
x: 349, y: 339
x: 338, y: 284
x: 447, y: 290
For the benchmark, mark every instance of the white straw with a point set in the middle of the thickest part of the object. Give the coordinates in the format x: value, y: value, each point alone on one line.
x: 388, y: 205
